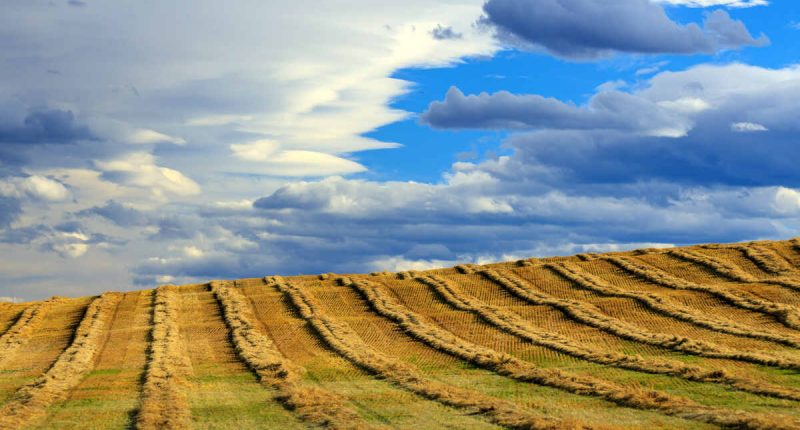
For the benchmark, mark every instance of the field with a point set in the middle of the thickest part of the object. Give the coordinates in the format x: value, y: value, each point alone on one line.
x: 699, y: 337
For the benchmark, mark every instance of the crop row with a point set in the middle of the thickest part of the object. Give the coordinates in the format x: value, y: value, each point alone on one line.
x: 313, y: 404
x: 730, y: 271
x: 659, y: 304
x: 31, y: 401
x: 766, y: 259
x: 415, y: 326
x: 163, y: 398
x: 517, y: 326
x: 20, y: 332
x: 788, y: 315
x: 342, y: 339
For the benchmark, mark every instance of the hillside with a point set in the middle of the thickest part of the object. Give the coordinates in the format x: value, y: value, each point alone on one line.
x: 699, y: 337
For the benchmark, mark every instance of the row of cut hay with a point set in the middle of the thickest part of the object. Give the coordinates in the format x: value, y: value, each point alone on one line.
x: 342, y: 339
x: 766, y: 259
x: 586, y: 313
x: 20, y: 332
x: 786, y: 314
x: 657, y: 303
x: 313, y: 404
x: 517, y: 326
x: 163, y: 401
x: 731, y: 271
x: 31, y: 401
x: 503, y: 364
x: 717, y: 266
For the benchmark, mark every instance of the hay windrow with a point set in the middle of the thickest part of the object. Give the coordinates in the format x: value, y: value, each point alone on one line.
x: 786, y: 314
x: 416, y: 327
x: 347, y: 343
x: 30, y: 402
x: 590, y: 282
x: 766, y: 259
x: 731, y: 271
x: 20, y: 332
x: 517, y: 326
x: 164, y: 402
x: 313, y: 404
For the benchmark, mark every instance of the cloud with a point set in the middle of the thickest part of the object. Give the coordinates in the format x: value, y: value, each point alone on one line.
x: 747, y: 127
x: 118, y: 213
x: 144, y: 136
x: 139, y: 170
x: 444, y: 33
x: 44, y: 126
x: 711, y: 3
x: 34, y: 187
x: 608, y: 110
x: 730, y: 124
x: 586, y: 29
x: 272, y: 161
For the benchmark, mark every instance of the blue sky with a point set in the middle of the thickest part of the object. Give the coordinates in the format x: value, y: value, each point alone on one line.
x: 144, y: 143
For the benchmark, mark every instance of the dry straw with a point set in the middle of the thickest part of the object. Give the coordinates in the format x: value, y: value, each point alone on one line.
x: 20, y: 332
x: 731, y: 271
x: 313, y: 404
x: 788, y: 315
x: 766, y: 259
x: 342, y: 339
x: 416, y: 327
x: 657, y: 303
x: 514, y: 324
x: 30, y: 402
x: 164, y: 404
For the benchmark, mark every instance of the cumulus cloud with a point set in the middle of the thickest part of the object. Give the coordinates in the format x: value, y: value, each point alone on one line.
x: 587, y: 29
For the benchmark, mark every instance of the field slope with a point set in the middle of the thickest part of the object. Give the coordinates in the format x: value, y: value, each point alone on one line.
x: 698, y: 337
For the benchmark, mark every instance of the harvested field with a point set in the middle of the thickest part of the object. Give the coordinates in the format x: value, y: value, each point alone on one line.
x: 700, y: 337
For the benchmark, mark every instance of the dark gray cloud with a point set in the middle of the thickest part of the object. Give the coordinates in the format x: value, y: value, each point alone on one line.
x: 118, y: 213
x: 586, y: 29
x: 10, y: 210
x: 45, y: 126
x: 504, y: 110
x: 444, y: 33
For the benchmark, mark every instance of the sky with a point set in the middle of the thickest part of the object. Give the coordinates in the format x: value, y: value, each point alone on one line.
x: 146, y: 142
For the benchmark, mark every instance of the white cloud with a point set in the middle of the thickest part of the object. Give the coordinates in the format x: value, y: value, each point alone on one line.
x: 260, y: 150
x: 139, y: 169
x: 6, y: 299
x: 787, y: 201
x: 747, y: 127
x: 144, y: 136
x: 35, y: 187
x: 711, y: 3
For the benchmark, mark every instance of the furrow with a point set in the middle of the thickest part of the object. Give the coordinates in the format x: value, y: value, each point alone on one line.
x: 31, y: 401
x: 313, y: 404
x: 163, y: 399
x: 517, y: 326
x: 347, y: 343
x: 22, y: 329
x: 786, y: 314
x: 415, y: 326
x: 657, y: 303
x: 731, y: 271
